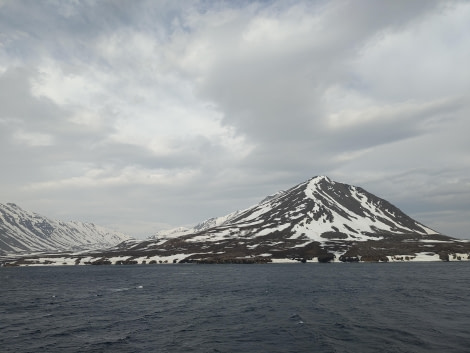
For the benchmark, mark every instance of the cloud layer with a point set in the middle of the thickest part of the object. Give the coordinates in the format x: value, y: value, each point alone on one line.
x: 144, y: 115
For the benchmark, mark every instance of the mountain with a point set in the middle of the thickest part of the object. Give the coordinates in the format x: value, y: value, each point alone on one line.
x: 25, y: 232
x: 179, y: 231
x: 318, y: 219
x: 316, y: 210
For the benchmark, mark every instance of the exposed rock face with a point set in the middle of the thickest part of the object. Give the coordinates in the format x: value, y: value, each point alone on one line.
x: 328, y: 257
x: 444, y: 256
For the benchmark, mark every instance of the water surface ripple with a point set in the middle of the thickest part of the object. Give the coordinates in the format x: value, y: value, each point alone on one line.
x: 399, y: 307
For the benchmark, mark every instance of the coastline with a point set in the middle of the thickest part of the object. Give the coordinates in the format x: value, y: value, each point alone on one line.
x: 80, y: 260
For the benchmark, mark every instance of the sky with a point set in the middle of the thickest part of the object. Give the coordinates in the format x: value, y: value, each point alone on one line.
x: 146, y: 115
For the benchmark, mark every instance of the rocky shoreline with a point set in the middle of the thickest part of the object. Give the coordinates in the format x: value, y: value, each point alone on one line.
x: 373, y: 256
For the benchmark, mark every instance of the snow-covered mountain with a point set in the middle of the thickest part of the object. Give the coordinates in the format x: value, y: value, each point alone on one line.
x: 318, y: 219
x: 207, y: 224
x: 22, y: 231
x: 319, y: 210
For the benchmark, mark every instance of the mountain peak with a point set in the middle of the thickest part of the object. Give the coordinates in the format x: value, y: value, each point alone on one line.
x: 319, y: 178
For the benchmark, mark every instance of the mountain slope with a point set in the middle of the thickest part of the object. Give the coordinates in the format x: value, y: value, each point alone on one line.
x: 22, y: 232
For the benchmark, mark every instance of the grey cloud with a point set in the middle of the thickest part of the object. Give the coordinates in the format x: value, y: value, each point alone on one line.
x: 17, y: 102
x: 182, y: 154
x: 390, y: 124
x: 20, y: 112
x: 268, y: 94
x: 68, y: 31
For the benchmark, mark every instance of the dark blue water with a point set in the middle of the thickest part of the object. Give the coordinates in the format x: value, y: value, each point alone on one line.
x: 418, y: 307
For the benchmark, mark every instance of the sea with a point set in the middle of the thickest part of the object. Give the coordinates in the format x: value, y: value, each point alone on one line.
x: 312, y: 307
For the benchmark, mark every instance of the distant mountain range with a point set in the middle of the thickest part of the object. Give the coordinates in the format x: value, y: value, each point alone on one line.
x: 26, y: 232
x: 319, y: 219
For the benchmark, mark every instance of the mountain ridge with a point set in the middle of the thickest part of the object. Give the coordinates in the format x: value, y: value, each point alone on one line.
x: 23, y: 231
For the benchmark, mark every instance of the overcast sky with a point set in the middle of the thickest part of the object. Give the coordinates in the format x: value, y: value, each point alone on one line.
x: 146, y: 115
